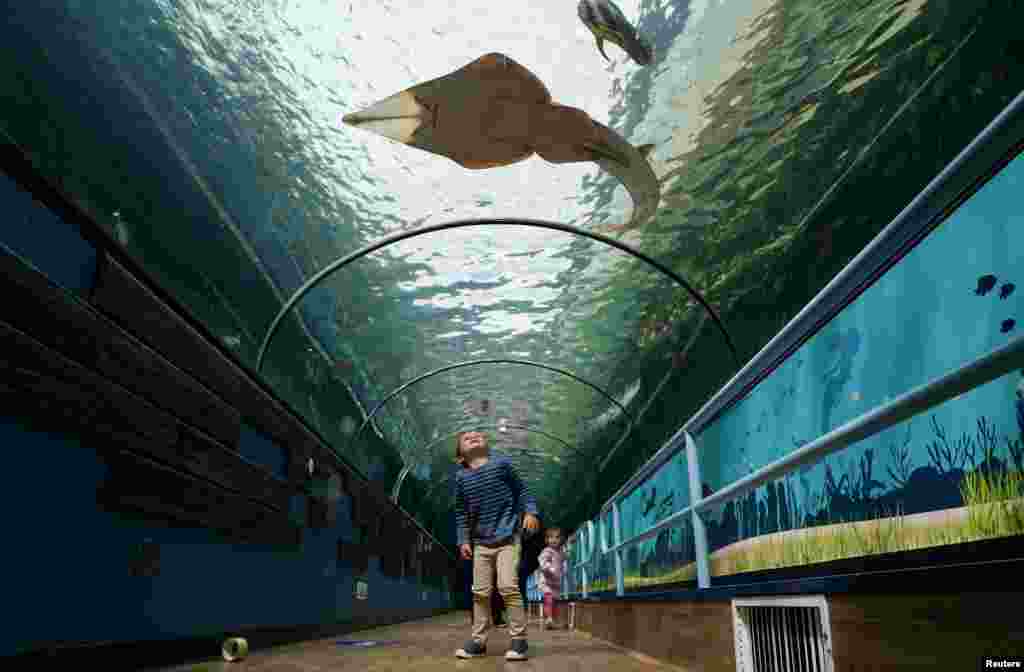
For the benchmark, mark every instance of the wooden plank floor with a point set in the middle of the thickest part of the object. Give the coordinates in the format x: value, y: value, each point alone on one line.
x: 430, y: 644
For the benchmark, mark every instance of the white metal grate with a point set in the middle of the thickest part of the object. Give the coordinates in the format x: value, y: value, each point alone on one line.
x: 785, y: 634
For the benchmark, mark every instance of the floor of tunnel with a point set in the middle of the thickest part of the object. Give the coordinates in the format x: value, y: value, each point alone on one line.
x: 430, y: 644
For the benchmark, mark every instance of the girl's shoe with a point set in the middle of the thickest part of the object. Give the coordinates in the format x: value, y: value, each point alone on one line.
x: 549, y: 624
x: 472, y: 649
x: 517, y: 650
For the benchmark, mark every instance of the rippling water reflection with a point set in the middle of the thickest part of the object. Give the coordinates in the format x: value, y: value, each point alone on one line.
x: 757, y: 108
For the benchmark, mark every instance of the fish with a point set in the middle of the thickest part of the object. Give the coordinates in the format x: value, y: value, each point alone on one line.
x: 607, y: 22
x: 985, y: 284
x: 1006, y: 290
x: 824, y: 238
x: 678, y: 360
x: 1007, y: 326
x: 494, y: 112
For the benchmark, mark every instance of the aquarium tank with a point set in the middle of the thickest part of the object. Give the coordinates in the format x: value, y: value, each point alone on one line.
x: 710, y: 170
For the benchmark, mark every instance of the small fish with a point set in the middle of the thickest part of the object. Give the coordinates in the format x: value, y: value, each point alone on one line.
x: 1007, y: 326
x: 232, y: 341
x: 824, y: 238
x: 1006, y: 290
x: 855, y: 396
x: 985, y: 284
x: 607, y: 22
x: 678, y: 360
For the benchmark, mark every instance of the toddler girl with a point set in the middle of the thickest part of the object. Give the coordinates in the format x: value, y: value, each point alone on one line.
x: 550, y: 576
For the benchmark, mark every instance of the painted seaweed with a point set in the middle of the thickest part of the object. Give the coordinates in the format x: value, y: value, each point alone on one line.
x: 869, y: 514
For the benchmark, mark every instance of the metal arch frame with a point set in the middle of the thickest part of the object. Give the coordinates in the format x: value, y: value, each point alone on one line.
x: 542, y: 224
x: 476, y: 428
x: 476, y: 362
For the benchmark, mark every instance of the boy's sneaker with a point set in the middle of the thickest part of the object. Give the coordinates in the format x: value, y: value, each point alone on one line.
x: 517, y: 650
x: 472, y: 649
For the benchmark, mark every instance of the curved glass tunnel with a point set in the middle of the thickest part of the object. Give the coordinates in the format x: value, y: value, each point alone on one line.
x: 757, y: 162
x: 207, y: 139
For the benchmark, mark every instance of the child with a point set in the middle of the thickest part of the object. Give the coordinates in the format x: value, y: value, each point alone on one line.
x: 551, y: 566
x: 498, y: 617
x: 489, y: 498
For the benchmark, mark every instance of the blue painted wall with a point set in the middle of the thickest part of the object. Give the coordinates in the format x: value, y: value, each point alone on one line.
x: 953, y: 298
x: 67, y: 563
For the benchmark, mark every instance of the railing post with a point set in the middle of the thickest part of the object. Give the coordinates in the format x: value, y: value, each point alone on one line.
x: 700, y: 538
x: 620, y: 579
x: 588, y: 548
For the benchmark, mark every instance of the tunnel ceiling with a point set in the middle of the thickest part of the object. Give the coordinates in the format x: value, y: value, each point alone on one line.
x: 768, y: 120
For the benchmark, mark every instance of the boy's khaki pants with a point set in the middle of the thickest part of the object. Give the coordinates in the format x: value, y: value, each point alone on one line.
x: 504, y: 558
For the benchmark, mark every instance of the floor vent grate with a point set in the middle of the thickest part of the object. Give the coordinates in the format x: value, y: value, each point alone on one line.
x: 785, y: 634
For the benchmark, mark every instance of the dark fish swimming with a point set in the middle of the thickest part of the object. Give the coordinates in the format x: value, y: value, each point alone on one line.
x: 607, y: 22
x: 1006, y: 290
x: 985, y: 285
x: 678, y: 360
x: 1007, y: 326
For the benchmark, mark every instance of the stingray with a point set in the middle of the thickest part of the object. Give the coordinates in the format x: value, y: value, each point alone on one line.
x: 494, y: 112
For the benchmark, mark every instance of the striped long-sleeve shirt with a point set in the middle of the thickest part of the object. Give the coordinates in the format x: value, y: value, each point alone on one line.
x: 489, y: 501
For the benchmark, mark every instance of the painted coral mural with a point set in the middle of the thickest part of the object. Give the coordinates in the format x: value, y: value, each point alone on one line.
x: 949, y: 475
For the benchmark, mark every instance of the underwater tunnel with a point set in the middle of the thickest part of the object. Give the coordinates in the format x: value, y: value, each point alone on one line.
x: 767, y: 379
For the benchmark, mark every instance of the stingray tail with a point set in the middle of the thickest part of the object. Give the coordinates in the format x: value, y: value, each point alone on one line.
x: 630, y: 166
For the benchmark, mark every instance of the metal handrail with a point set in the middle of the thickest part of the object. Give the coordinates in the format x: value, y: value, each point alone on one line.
x: 984, y: 369
x: 922, y: 214
x: 914, y: 220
